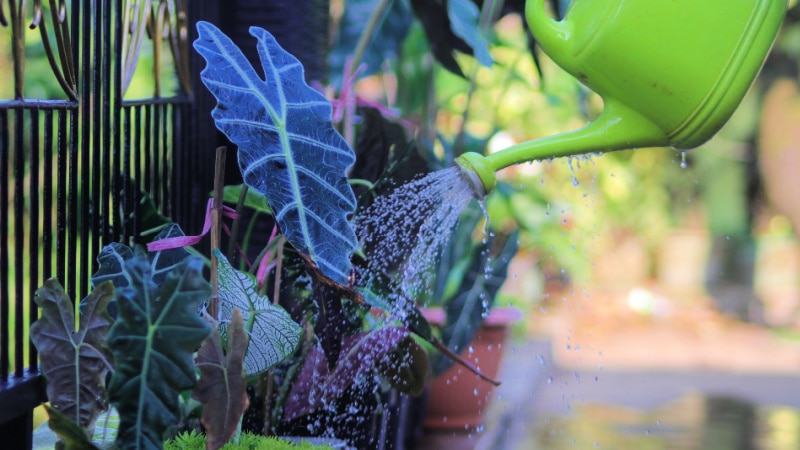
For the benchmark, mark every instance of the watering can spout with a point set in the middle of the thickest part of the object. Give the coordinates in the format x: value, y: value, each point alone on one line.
x: 617, y: 128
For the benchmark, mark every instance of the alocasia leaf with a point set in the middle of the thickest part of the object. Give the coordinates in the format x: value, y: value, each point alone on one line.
x: 153, y: 340
x: 74, y: 363
x: 288, y: 148
x: 222, y: 386
x: 273, y: 334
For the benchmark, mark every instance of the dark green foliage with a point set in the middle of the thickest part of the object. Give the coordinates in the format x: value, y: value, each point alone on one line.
x: 157, y: 331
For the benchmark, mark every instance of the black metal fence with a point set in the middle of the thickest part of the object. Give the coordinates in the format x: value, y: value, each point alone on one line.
x: 79, y: 151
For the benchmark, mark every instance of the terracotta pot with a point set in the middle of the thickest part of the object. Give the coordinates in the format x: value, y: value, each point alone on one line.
x: 457, y: 398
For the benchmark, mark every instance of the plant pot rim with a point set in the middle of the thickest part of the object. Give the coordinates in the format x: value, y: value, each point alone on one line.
x: 500, y: 316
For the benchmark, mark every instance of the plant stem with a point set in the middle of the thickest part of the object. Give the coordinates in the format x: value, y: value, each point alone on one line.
x: 358, y: 54
x: 216, y: 213
x: 366, y: 35
x: 237, y: 222
x: 276, y: 295
x: 293, y: 373
x: 276, y: 292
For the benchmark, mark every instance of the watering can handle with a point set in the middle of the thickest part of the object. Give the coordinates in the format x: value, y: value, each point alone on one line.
x: 552, y: 35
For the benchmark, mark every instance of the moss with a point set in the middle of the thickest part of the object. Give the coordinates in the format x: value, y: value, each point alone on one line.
x: 247, y: 441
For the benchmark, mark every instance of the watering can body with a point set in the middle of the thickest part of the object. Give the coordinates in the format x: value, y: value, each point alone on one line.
x: 670, y: 72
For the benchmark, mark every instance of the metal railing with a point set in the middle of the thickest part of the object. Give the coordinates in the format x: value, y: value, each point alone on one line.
x: 78, y: 154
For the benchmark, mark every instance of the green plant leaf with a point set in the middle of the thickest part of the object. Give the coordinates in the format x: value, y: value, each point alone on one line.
x: 464, y: 17
x: 74, y: 363
x: 273, y: 334
x: 222, y: 386
x: 153, y: 340
x: 465, y: 311
x: 386, y: 42
x: 406, y: 367
x: 72, y: 436
x: 253, y: 199
x: 288, y: 148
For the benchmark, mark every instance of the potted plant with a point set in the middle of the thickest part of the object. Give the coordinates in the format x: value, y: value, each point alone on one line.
x: 306, y: 358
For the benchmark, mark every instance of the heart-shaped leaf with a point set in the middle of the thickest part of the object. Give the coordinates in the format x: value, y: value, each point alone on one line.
x: 288, y: 148
x: 222, y: 386
x: 153, y: 340
x: 273, y: 334
x: 74, y: 363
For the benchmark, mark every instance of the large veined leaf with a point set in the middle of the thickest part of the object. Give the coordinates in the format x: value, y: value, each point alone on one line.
x: 74, y: 363
x: 153, y: 340
x: 273, y: 334
x: 222, y: 386
x: 288, y: 148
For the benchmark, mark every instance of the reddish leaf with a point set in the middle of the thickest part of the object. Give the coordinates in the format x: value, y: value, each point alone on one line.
x: 377, y: 350
x: 221, y: 388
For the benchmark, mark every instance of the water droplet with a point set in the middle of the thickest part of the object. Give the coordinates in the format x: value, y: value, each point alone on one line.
x: 476, y: 392
x: 540, y: 359
x: 550, y: 380
x: 596, y: 444
x: 543, y: 310
x: 572, y: 171
x: 683, y: 160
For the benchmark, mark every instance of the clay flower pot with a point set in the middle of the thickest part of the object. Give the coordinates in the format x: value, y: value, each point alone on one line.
x: 457, y: 398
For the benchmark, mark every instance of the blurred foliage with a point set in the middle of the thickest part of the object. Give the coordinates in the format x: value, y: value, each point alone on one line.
x: 41, y: 83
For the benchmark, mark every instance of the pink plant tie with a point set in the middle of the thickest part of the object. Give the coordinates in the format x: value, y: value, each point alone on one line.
x: 183, y: 241
x: 263, y: 266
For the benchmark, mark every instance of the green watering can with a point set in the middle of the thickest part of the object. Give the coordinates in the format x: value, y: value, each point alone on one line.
x: 670, y: 72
